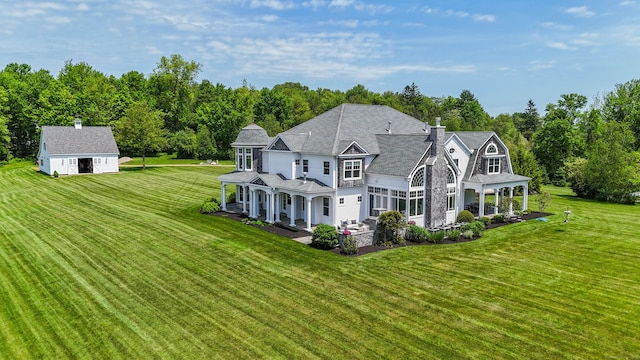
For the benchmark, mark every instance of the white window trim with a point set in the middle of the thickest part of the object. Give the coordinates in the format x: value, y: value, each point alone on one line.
x: 486, y: 150
x: 352, y: 162
x: 489, y: 166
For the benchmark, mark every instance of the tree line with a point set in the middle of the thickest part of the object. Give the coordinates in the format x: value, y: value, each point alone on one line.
x: 594, y: 148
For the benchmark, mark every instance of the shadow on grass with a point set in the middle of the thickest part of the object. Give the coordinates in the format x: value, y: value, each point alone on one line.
x: 132, y: 168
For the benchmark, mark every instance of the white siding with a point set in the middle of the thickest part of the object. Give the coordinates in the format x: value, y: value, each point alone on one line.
x: 278, y: 162
x: 351, y: 208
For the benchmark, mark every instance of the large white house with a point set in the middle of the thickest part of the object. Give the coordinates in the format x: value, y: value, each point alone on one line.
x: 356, y: 161
x: 70, y: 150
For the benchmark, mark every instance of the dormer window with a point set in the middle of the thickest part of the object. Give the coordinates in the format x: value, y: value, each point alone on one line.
x: 492, y: 149
x: 493, y: 166
x: 352, y: 169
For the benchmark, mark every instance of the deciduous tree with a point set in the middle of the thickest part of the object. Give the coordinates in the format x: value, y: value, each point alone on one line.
x: 141, y: 130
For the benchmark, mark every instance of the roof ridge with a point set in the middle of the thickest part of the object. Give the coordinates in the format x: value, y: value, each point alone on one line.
x: 338, y: 129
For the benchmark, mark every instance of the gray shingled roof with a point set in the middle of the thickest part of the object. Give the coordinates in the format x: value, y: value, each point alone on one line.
x: 399, y: 154
x: 277, y: 181
x: 294, y: 141
x: 497, y: 178
x: 63, y: 140
x: 252, y: 135
x: 327, y: 131
x: 473, y: 139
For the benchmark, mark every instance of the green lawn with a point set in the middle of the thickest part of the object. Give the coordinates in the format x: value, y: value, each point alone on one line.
x: 123, y: 266
x: 171, y: 159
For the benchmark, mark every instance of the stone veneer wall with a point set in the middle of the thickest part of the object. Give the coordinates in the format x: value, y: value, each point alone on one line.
x: 363, y: 238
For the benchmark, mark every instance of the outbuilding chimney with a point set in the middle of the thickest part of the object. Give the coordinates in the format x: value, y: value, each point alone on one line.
x: 77, y: 123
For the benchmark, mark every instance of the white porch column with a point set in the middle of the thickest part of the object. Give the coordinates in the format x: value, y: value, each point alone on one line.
x: 495, y: 210
x: 271, y: 208
x: 511, y: 200
x: 292, y: 219
x: 223, y: 195
x: 278, y: 202
x: 253, y: 203
x: 308, y: 214
x: 245, y: 195
x: 481, y: 209
x: 525, y: 197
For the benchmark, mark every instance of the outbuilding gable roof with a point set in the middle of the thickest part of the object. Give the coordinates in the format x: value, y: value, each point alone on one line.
x: 328, y: 132
x: 63, y: 140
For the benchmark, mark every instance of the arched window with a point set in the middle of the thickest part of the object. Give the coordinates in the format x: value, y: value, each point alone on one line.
x: 451, y: 178
x: 451, y: 190
x: 418, y: 178
x: 492, y: 149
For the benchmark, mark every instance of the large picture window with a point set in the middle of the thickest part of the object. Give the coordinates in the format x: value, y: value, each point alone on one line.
x: 493, y: 166
x: 451, y: 190
x: 416, y: 203
x: 352, y: 169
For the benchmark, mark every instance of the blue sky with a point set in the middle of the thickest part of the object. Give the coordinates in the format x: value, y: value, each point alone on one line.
x: 505, y: 52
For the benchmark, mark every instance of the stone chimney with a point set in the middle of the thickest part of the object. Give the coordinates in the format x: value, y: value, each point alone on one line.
x: 436, y: 136
x: 436, y: 180
x: 77, y: 123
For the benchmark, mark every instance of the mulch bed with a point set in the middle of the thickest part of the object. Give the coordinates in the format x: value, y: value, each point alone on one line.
x: 277, y: 229
x: 290, y: 233
x: 374, y: 248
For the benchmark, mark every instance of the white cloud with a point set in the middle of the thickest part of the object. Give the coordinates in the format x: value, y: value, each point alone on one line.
x: 324, y: 56
x: 559, y: 45
x: 268, y: 18
x: 344, y: 23
x: 340, y: 3
x: 82, y: 7
x: 555, y: 26
x: 627, y: 3
x: 486, y: 17
x: 627, y: 34
x: 152, y: 50
x: 580, y: 11
x: 272, y: 4
x: 314, y: 4
x: 460, y: 14
x: 536, y: 65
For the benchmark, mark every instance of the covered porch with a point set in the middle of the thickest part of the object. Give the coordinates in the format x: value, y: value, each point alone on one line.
x: 274, y: 199
x: 500, y: 186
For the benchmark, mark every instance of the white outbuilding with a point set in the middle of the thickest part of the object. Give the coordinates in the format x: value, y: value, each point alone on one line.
x: 71, y: 150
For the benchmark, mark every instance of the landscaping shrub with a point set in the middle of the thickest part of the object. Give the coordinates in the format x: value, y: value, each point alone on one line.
x: 498, y: 218
x: 436, y: 236
x: 231, y: 198
x: 349, y: 246
x: 485, y: 220
x: 475, y: 227
x: 543, y: 200
x: 389, y: 223
x: 468, y: 234
x: 453, y: 235
x: 465, y: 216
x: 209, y: 207
x: 55, y: 173
x: 324, y: 237
x: 416, y: 234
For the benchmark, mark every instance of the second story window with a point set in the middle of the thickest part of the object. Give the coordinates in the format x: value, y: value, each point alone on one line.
x: 305, y: 166
x: 326, y: 168
x: 493, y: 166
x: 352, y: 169
x: 244, y: 159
